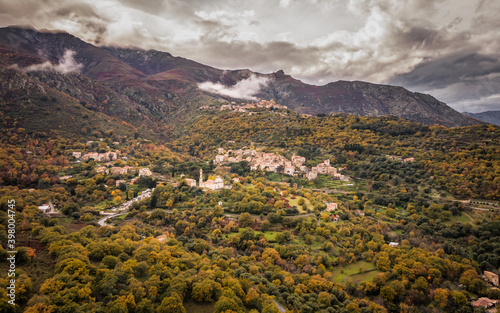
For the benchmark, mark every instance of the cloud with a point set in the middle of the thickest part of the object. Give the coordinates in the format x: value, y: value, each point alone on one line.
x: 66, y: 65
x: 244, y: 89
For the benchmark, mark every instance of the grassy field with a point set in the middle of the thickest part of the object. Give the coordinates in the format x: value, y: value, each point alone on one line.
x: 357, y: 271
x: 120, y: 218
x: 101, y: 206
x: 295, y: 202
x: 366, y: 276
x: 324, y: 181
x: 462, y: 218
x: 269, y: 235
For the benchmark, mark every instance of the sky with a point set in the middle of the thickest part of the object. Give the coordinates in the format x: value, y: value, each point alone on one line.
x: 447, y: 48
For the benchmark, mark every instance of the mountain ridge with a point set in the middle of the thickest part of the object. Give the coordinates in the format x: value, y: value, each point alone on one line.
x: 492, y: 117
x: 166, y: 88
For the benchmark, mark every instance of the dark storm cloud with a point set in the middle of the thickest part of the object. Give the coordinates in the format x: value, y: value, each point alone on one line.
x: 452, y: 69
x: 469, y: 80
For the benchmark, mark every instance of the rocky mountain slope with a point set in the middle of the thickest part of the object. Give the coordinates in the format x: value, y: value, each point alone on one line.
x: 150, y: 89
x: 492, y: 117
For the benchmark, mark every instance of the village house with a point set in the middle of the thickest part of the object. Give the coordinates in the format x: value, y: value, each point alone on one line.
x: 119, y: 181
x: 324, y: 168
x: 485, y: 303
x: 145, y: 172
x: 190, y: 182
x: 491, y: 278
x: 394, y: 157
x: 393, y: 244
x: 311, y: 175
x: 335, y: 218
x: 359, y: 213
x: 77, y: 154
x: 331, y: 206
x: 289, y: 170
x: 102, y: 169
x: 88, y: 156
x: 340, y: 177
x: 115, y: 170
x: 297, y: 160
x: 100, y: 157
x: 220, y: 159
x: 44, y: 208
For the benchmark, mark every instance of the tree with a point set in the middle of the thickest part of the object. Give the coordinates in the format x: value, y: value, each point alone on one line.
x: 252, y: 296
x: 145, y: 306
x: 172, y: 304
x: 265, y: 226
x: 388, y: 293
x: 302, y: 260
x: 353, y: 307
x: 270, y: 254
x: 383, y: 263
x: 70, y: 208
x: 270, y: 307
x: 441, y: 296
x: 226, y: 304
x: 245, y: 219
x: 279, y: 204
x: 32, y: 253
x: 153, y: 201
x: 206, y: 291
x: 421, y: 284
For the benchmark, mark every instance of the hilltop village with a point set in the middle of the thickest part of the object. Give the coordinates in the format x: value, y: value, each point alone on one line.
x: 247, y: 107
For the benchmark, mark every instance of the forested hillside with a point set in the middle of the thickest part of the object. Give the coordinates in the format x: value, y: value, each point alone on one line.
x: 397, y: 235
x: 463, y: 161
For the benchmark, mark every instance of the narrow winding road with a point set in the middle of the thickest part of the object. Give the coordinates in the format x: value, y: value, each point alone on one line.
x: 124, y: 207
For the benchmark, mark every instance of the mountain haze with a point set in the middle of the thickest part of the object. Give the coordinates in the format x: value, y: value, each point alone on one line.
x: 150, y: 89
x: 492, y: 117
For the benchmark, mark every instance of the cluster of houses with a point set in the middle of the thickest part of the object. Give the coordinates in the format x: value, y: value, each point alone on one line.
x: 326, y: 169
x: 108, y: 168
x: 99, y: 157
x: 490, y: 305
x: 244, y: 107
x: 272, y: 162
x: 261, y: 160
x: 117, y: 170
x: 330, y: 207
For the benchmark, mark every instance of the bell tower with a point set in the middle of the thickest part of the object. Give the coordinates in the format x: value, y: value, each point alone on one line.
x: 201, y: 178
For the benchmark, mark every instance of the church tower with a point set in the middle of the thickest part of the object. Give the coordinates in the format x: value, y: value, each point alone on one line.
x: 201, y: 178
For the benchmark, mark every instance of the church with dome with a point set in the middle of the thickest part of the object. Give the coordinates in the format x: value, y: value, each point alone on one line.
x: 212, y: 184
